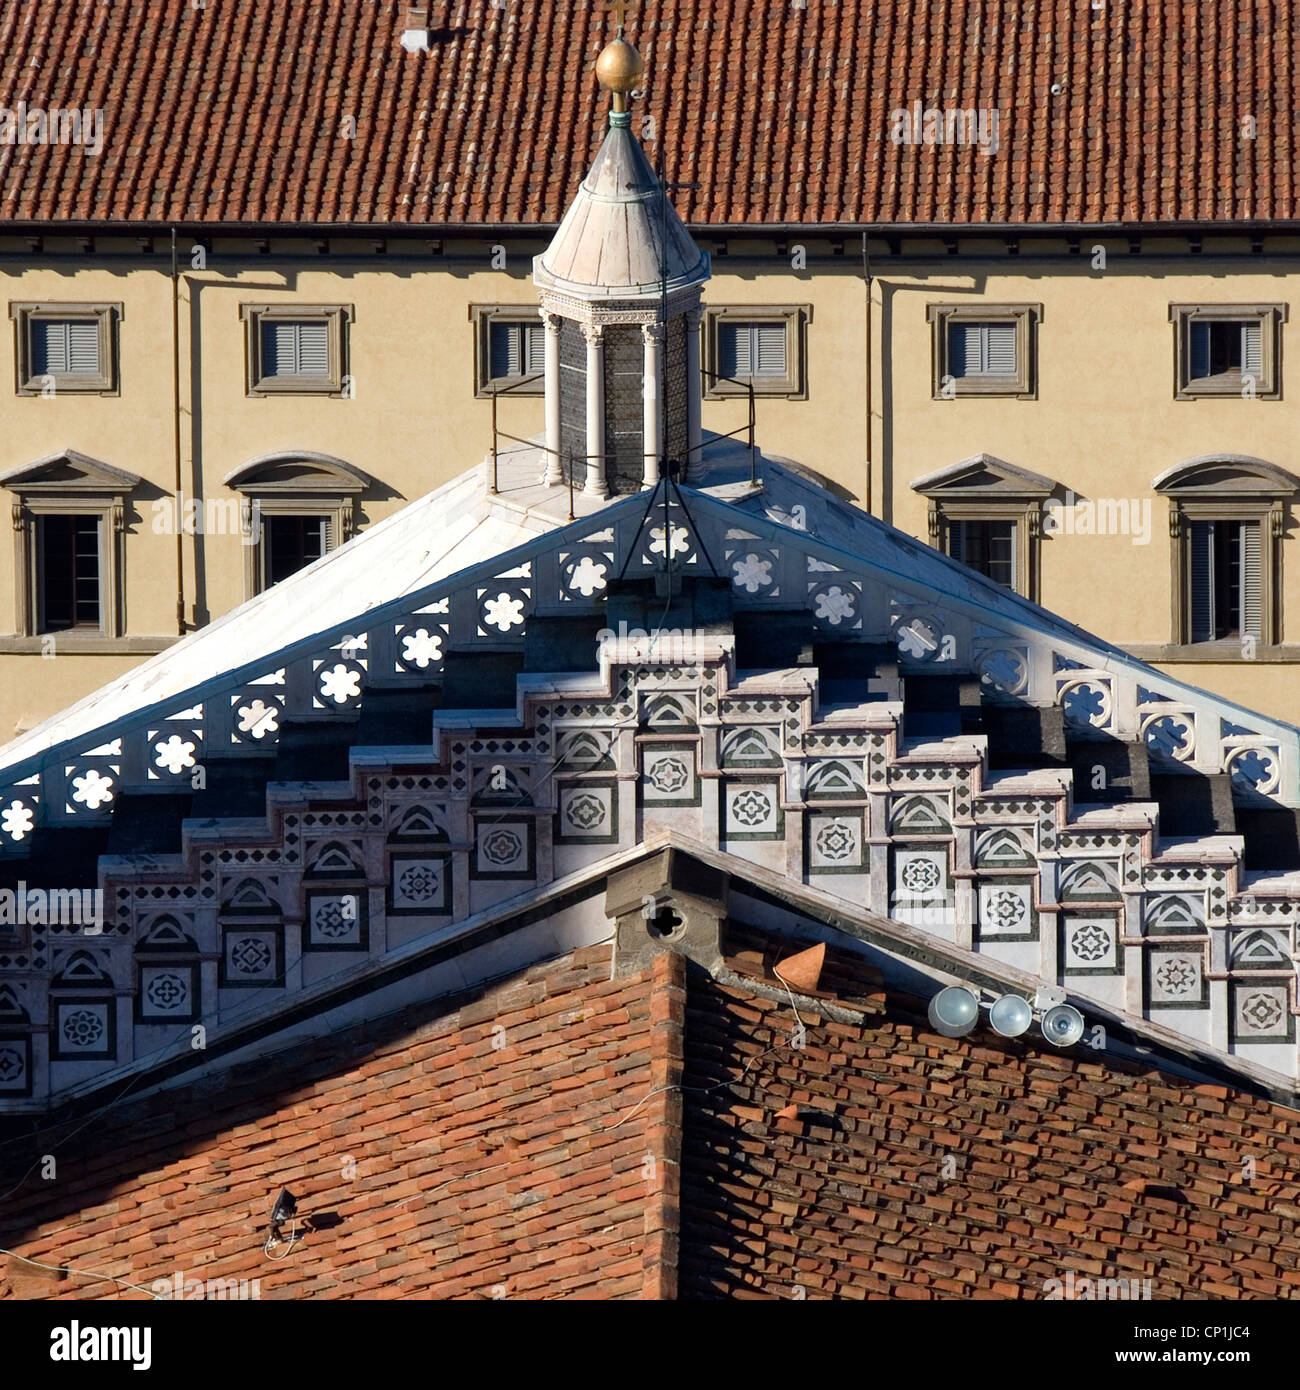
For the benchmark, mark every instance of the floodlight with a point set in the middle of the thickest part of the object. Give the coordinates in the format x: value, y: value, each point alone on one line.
x: 954, y: 1011
x: 1063, y: 1025
x: 1011, y: 1015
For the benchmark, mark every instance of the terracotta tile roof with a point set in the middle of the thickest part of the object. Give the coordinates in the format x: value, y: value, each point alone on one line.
x: 234, y: 113
x: 554, y: 1159
x: 1060, y: 1162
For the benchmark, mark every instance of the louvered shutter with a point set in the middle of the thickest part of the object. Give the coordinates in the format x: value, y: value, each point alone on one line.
x: 1000, y: 357
x: 65, y: 347
x: 1202, y: 580
x: 1251, y: 349
x: 535, y: 340
x: 83, y: 347
x: 769, y: 349
x: 963, y: 349
x: 735, y: 355
x: 503, y: 340
x: 49, y: 348
x: 957, y: 540
x: 326, y: 535
x: 1251, y: 580
x: 277, y: 348
x: 1199, y: 342
x: 313, y: 342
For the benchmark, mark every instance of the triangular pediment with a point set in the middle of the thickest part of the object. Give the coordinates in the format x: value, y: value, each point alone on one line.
x: 69, y: 471
x: 984, y: 475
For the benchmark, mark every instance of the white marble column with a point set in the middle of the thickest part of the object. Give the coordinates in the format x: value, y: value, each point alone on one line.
x: 596, y: 484
x: 652, y: 398
x: 554, y: 474
x: 694, y: 461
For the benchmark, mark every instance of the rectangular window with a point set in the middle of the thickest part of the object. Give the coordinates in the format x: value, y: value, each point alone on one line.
x: 1225, y: 347
x: 295, y: 348
x: 1226, y: 588
x: 65, y: 347
x: 1228, y: 349
x: 986, y: 546
x: 68, y: 572
x: 751, y: 349
x: 982, y: 350
x: 517, y: 349
x: 291, y: 543
x: 758, y: 347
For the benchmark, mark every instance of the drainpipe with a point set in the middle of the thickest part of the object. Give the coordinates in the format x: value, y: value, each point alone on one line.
x: 176, y: 437
x: 866, y: 276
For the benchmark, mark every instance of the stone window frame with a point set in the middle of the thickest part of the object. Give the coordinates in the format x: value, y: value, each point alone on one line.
x: 483, y: 316
x: 107, y: 314
x: 1027, y: 318
x: 1271, y: 318
x: 1196, y: 491
x: 796, y: 318
x: 329, y: 492
x: 1010, y: 493
x: 101, y: 491
x: 338, y: 316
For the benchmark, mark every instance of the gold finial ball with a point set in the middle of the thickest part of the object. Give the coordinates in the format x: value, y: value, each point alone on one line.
x: 619, y: 67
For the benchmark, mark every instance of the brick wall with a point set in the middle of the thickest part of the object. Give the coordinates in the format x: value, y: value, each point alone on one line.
x: 1059, y: 1162
x: 484, y: 1161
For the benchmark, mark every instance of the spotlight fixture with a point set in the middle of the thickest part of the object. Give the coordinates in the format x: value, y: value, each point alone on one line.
x: 284, y: 1208
x: 1063, y: 1025
x: 1011, y: 1015
x: 954, y: 1011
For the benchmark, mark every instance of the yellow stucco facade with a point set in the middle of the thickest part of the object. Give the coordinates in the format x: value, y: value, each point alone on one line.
x: 1102, y: 422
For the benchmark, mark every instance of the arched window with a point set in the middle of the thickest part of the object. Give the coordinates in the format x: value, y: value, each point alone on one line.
x: 1226, y: 515
x: 297, y: 507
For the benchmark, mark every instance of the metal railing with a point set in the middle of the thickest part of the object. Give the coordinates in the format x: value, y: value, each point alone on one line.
x: 749, y: 429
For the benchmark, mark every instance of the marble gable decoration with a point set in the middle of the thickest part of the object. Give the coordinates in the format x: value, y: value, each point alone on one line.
x: 792, y: 766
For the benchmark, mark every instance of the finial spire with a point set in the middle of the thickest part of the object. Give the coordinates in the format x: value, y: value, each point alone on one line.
x: 619, y: 67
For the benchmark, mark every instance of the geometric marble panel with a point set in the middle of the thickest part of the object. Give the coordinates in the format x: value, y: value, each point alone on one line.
x: 167, y: 993
x: 1006, y: 911
x: 419, y: 885
x: 835, y: 844
x: 15, y: 1065
x: 252, y: 956
x: 588, y: 813
x: 84, y: 1030
x: 920, y: 875
x: 1261, y: 1012
x: 668, y: 775
x: 752, y: 811
x: 1176, y: 979
x: 336, y: 921
x: 1089, y: 945
x: 503, y: 849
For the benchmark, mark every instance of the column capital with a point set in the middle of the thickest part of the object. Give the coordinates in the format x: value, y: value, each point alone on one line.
x: 594, y: 333
x: 694, y: 318
x: 552, y: 321
x: 653, y: 333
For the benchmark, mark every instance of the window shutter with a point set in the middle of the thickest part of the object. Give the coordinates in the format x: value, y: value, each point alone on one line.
x: 49, y: 348
x: 1252, y: 606
x: 1001, y: 357
x: 313, y: 348
x: 535, y: 357
x: 770, y: 349
x: 1251, y: 353
x: 326, y: 535
x: 1199, y: 341
x: 957, y: 540
x: 83, y: 347
x: 507, y: 349
x: 277, y: 348
x: 963, y: 349
x: 735, y: 357
x: 1202, y: 580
